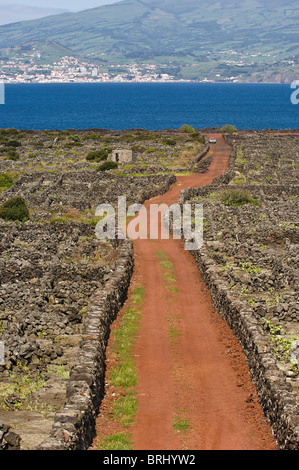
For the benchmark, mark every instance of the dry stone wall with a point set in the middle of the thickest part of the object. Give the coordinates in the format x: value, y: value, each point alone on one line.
x: 276, y: 395
x: 249, y: 262
x: 9, y: 440
x: 73, y: 427
x: 51, y: 194
x: 60, y: 288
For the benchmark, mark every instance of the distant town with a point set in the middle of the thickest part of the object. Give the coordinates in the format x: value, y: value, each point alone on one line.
x: 71, y: 69
x: 30, y: 67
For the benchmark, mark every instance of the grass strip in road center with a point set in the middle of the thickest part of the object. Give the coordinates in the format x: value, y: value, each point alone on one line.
x: 123, y: 376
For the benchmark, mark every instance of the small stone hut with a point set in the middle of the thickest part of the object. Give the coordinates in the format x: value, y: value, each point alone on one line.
x: 122, y: 156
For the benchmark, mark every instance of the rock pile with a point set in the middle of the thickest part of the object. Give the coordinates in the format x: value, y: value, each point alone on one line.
x: 48, y: 273
x: 9, y: 440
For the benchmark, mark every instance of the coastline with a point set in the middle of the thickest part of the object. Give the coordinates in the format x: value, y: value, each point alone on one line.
x: 83, y: 82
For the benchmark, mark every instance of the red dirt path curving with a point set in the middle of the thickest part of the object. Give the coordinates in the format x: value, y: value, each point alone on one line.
x: 199, y: 374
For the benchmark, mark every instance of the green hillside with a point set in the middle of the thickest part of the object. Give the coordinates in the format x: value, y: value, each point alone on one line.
x: 183, y: 33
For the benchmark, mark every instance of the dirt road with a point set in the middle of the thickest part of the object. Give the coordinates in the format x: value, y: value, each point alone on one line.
x: 194, y: 389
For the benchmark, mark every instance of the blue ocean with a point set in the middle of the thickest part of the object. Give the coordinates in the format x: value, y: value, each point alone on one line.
x: 152, y: 106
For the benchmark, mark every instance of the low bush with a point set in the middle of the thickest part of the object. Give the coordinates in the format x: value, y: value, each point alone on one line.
x: 13, y: 143
x: 169, y: 142
x: 12, y: 155
x: 186, y: 129
x: 92, y: 137
x: 127, y: 138
x: 6, y: 181
x: 15, y: 209
x: 70, y: 145
x: 137, y: 148
x: 108, y: 165
x: 229, y: 129
x: 236, y: 197
x: 198, y: 138
x: 98, y: 155
x: 75, y: 138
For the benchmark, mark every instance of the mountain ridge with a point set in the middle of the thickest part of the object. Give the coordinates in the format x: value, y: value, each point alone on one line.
x: 180, y: 31
x: 15, y: 13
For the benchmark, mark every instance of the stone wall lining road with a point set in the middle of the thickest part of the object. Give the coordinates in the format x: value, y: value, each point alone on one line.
x: 73, y: 427
x: 276, y: 396
x: 253, y: 250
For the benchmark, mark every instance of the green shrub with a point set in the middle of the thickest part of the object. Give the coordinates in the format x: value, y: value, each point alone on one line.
x: 198, y: 138
x: 186, y: 129
x: 15, y: 209
x: 108, y: 165
x: 127, y: 138
x: 59, y: 220
x: 6, y: 181
x: 236, y: 197
x: 137, y: 148
x: 13, y: 143
x: 12, y: 155
x: 70, y: 145
x: 11, y: 131
x: 75, y: 138
x: 229, y: 129
x: 98, y: 155
x: 93, y: 137
x: 169, y: 142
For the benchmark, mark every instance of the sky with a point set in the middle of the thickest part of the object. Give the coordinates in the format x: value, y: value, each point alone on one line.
x: 72, y: 5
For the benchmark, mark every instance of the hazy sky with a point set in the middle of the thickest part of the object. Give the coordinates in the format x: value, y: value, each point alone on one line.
x: 72, y: 5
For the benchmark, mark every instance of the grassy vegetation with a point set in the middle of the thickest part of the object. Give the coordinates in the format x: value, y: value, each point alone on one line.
x: 249, y: 268
x: 117, y: 441
x: 6, y: 181
x: 186, y: 128
x: 282, y: 346
x: 168, y: 273
x: 125, y: 409
x: 97, y: 155
x: 181, y: 424
x: 16, y: 392
x: 123, y: 376
x: 170, y: 279
x: 229, y: 129
x: 108, y: 165
x: 233, y: 197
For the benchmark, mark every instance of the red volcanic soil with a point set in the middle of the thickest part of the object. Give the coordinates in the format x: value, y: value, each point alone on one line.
x: 194, y: 389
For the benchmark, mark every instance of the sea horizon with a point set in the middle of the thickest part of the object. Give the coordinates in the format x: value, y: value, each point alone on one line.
x: 148, y: 105
x: 82, y: 82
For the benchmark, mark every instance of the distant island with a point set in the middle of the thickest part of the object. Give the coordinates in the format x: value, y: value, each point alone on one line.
x: 150, y: 41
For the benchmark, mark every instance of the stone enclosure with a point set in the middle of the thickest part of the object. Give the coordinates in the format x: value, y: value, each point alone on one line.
x: 61, y: 287
x: 53, y: 272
